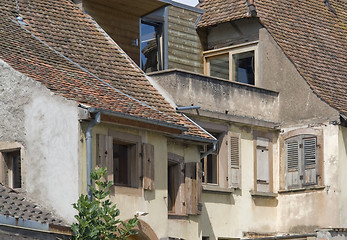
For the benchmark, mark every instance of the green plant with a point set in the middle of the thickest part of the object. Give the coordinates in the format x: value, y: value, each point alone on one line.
x: 97, y: 218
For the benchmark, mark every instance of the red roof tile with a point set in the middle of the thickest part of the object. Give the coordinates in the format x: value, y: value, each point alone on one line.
x: 313, y: 37
x: 65, y: 50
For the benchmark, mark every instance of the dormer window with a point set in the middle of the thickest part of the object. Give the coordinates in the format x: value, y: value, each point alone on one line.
x: 232, y: 63
x: 152, y: 42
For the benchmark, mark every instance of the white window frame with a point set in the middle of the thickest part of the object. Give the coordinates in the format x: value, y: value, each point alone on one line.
x: 241, y: 48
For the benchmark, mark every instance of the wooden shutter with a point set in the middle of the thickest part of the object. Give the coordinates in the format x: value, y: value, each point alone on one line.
x: 310, y: 160
x: 263, y: 167
x: 234, y: 175
x: 193, y: 187
x: 17, y: 169
x: 3, y: 172
x: 148, y: 166
x: 105, y: 154
x: 293, y: 160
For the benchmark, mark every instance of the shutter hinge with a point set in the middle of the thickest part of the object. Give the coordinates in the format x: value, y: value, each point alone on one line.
x: 301, y: 145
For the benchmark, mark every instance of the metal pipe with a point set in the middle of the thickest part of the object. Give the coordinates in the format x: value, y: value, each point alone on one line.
x: 209, y: 151
x: 187, y: 108
x: 89, y: 140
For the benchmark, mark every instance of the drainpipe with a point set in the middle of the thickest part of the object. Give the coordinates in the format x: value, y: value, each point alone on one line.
x: 89, y: 138
x: 209, y: 151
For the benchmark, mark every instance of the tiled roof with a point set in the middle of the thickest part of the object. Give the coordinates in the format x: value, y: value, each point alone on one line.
x: 313, y: 34
x: 17, y: 205
x: 219, y: 11
x: 65, y: 50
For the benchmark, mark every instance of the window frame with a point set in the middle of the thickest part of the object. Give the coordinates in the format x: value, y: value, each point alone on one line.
x: 301, y: 134
x: 241, y: 48
x: 104, y: 158
x: 9, y: 147
x: 157, y: 19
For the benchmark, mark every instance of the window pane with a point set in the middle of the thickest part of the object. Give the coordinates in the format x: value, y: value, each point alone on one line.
x: 212, y: 169
x: 121, y: 164
x: 173, y: 183
x: 150, y: 47
x: 219, y: 66
x: 243, y: 67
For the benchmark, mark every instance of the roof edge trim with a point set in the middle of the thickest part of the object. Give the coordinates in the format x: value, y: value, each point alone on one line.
x: 136, y: 118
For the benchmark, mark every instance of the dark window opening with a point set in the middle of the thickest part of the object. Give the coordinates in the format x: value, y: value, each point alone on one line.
x: 11, y: 169
x: 124, y: 163
x: 173, y: 185
x: 152, y: 42
x: 243, y: 64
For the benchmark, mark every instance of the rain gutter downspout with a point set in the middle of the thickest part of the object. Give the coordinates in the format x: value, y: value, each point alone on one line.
x: 209, y: 151
x: 215, y: 140
x: 89, y: 139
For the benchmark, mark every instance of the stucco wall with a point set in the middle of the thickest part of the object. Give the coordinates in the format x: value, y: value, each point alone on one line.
x: 342, y: 160
x: 131, y: 200
x: 47, y: 126
x: 298, y: 103
x: 306, y: 211
x: 232, y: 33
x: 219, y: 96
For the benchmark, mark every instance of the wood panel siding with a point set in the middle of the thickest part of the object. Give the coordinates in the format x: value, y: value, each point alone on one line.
x: 185, y: 49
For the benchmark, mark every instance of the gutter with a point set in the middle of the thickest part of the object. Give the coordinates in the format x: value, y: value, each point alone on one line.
x: 214, y: 141
x: 89, y: 140
x: 139, y: 119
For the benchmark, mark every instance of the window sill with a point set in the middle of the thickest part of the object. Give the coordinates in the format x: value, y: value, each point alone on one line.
x: 215, y: 188
x: 124, y: 190
x: 299, y: 190
x: 263, y: 194
x: 172, y: 215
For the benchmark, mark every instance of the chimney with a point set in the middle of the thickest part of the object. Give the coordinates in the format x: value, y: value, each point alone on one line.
x: 251, y: 8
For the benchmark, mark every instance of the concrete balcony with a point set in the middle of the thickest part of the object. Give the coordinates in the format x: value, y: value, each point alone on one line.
x: 220, y: 99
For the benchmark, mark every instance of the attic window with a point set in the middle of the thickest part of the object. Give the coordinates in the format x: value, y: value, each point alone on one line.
x: 235, y: 64
x: 152, y: 42
x: 10, y: 167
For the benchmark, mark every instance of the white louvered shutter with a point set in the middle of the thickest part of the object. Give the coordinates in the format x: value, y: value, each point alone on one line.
x: 234, y: 175
x: 310, y: 160
x: 293, y: 159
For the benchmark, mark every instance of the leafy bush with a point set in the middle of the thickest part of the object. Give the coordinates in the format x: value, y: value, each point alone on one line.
x: 98, y: 218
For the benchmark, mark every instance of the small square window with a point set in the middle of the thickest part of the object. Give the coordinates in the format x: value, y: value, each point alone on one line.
x: 120, y: 153
x: 11, y: 168
x: 124, y: 163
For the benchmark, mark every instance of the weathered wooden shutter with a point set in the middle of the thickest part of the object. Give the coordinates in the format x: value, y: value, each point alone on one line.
x: 263, y: 167
x: 105, y: 154
x: 17, y: 169
x: 234, y: 175
x: 3, y: 172
x: 193, y: 187
x: 293, y: 160
x: 148, y: 166
x: 310, y: 160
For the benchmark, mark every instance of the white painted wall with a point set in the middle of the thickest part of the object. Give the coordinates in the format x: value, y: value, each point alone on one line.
x: 48, y: 128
